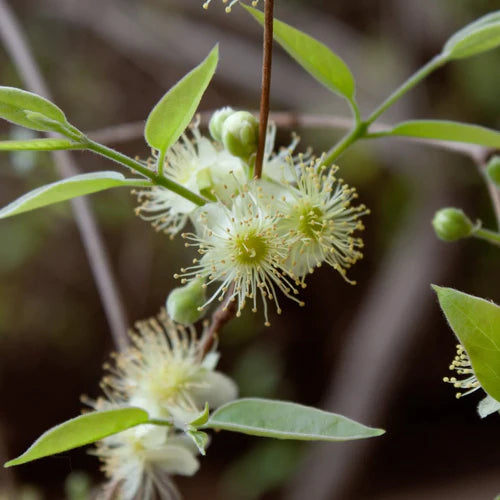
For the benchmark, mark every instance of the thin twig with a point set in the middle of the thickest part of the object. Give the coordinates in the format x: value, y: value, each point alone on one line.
x: 17, y: 47
x: 221, y: 316
x: 266, y: 84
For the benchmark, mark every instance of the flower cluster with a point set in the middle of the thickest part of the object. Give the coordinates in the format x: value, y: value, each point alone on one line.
x: 255, y: 238
x: 164, y: 372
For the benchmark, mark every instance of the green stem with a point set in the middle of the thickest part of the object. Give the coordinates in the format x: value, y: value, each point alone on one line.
x: 417, y: 77
x: 360, y: 130
x: 160, y: 180
x: 355, y: 112
x: 356, y: 133
x: 160, y: 162
x: 487, y: 235
x: 160, y: 421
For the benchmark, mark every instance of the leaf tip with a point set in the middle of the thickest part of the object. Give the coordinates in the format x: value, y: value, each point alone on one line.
x: 10, y: 463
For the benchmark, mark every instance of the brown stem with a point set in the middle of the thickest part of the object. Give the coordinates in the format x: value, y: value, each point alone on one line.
x: 266, y: 84
x: 221, y: 316
x: 17, y: 47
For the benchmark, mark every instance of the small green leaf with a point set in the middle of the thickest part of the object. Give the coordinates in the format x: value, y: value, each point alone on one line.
x: 479, y: 36
x: 200, y: 439
x: 202, y: 418
x: 15, y: 105
x: 447, y: 131
x: 80, y: 431
x: 476, y: 323
x: 315, y: 57
x: 285, y: 420
x: 39, y: 145
x: 66, y: 189
x: 174, y: 111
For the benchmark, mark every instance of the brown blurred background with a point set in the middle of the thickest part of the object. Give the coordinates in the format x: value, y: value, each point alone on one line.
x: 376, y: 352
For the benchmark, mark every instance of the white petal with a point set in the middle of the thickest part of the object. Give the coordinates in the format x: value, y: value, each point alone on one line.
x: 210, y: 360
x: 219, y: 390
x: 174, y: 459
x: 151, y: 436
x: 487, y: 406
x: 131, y: 483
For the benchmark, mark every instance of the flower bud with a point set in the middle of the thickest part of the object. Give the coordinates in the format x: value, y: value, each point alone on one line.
x: 183, y: 303
x: 240, y: 134
x: 217, y: 122
x: 452, y: 224
x: 493, y: 169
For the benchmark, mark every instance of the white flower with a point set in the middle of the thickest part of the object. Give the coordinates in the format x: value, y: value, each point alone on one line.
x: 138, y: 462
x: 462, y: 366
x: 231, y: 3
x: 198, y: 164
x: 276, y: 166
x: 320, y: 219
x: 165, y: 373
x: 242, y: 251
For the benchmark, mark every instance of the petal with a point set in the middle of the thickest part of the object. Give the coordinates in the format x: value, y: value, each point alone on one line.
x: 174, y: 459
x: 210, y: 360
x: 130, y: 483
x: 219, y: 389
x: 487, y: 406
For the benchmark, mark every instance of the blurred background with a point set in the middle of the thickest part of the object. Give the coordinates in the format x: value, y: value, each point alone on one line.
x: 376, y: 352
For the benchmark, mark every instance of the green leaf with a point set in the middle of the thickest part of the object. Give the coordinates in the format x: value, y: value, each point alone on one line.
x: 169, y: 118
x: 80, y: 431
x: 39, y: 145
x: 476, y: 323
x: 315, y: 57
x: 285, y: 420
x: 479, y: 36
x: 200, y: 439
x: 66, y: 189
x: 16, y: 105
x: 447, y: 131
x: 202, y: 418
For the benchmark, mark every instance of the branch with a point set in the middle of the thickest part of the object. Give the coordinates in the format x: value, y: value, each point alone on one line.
x: 18, y: 49
x: 266, y: 84
x: 221, y: 316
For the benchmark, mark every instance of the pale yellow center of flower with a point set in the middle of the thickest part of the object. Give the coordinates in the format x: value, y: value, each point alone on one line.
x: 251, y: 248
x: 169, y: 380
x: 309, y: 220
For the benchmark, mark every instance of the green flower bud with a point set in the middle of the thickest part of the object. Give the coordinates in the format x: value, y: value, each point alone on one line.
x: 217, y: 121
x: 452, y: 224
x: 184, y: 303
x: 493, y: 169
x: 240, y: 134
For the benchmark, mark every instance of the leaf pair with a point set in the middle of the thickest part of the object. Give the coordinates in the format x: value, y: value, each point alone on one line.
x: 330, y: 70
x: 165, y: 124
x: 257, y: 417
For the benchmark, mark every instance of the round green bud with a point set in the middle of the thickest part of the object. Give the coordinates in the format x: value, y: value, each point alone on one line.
x: 493, y: 169
x: 184, y: 303
x: 452, y: 224
x: 240, y: 134
x: 217, y: 121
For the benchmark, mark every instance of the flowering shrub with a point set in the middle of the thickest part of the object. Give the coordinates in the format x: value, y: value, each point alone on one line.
x: 256, y: 223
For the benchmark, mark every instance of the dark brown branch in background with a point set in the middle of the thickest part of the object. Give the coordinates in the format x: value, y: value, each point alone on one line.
x: 17, y: 47
x: 221, y: 316
x: 266, y: 84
